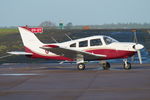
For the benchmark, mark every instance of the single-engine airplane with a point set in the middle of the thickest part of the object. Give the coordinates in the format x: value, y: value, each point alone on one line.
x: 91, y: 48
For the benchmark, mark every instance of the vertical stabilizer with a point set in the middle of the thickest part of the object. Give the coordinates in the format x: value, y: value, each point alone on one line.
x: 29, y: 39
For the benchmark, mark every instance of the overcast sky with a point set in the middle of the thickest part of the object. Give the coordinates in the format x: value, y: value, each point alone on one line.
x: 79, y: 12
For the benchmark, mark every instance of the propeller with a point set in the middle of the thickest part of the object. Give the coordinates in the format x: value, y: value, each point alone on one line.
x: 139, y: 56
x: 137, y: 47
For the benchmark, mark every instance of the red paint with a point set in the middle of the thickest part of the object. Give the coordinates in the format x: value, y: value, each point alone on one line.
x: 112, y: 54
x: 34, y: 30
x: 124, y: 54
x: 52, y: 46
x: 26, y: 27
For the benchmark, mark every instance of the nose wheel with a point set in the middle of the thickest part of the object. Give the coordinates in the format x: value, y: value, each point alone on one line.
x: 126, y: 65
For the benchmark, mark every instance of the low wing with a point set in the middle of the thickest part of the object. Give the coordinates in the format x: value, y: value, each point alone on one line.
x: 71, y: 53
x: 19, y: 53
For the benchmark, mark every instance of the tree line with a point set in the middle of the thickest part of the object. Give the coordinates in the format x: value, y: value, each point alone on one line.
x: 70, y: 25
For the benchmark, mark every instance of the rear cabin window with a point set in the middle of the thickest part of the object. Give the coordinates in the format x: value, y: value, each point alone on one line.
x: 83, y: 43
x: 95, y: 42
x: 73, y: 45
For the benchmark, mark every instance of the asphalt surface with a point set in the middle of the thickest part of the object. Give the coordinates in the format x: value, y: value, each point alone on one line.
x: 65, y: 82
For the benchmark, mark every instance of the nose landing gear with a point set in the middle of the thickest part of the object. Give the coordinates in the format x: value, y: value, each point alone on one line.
x: 126, y: 65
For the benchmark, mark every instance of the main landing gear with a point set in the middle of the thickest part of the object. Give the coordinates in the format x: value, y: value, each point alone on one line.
x: 81, y: 66
x: 80, y: 62
x: 105, y: 65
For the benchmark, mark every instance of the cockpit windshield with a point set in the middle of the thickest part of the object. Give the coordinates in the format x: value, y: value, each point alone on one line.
x: 109, y: 40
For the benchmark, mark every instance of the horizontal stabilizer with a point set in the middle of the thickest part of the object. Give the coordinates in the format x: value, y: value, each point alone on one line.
x: 19, y: 53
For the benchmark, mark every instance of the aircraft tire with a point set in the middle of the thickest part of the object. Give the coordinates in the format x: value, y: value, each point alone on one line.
x: 106, y: 66
x: 81, y: 66
x: 127, y: 66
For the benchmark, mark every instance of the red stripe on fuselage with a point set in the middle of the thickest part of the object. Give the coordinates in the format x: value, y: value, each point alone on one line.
x: 112, y: 54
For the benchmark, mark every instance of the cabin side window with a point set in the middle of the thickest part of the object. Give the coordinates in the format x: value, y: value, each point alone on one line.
x: 73, y: 45
x: 83, y: 43
x: 95, y: 42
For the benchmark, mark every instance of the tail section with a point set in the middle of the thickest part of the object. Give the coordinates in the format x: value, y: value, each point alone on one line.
x: 30, y: 41
x: 33, y: 46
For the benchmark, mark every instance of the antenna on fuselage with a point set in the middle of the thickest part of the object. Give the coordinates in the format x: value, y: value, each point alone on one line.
x: 54, y: 39
x: 68, y: 36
